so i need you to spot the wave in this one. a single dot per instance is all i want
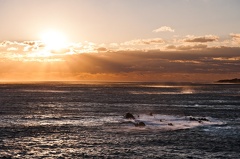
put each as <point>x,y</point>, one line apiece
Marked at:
<point>157,122</point>
<point>169,122</point>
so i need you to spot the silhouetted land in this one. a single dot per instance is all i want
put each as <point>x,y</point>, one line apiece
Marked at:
<point>235,80</point>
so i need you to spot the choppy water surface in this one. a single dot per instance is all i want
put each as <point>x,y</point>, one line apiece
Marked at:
<point>73,120</point>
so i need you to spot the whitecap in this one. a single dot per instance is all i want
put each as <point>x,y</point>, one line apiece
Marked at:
<point>169,122</point>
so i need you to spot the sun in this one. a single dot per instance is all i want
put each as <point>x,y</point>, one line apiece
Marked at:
<point>53,40</point>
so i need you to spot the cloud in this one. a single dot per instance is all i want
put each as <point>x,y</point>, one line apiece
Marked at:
<point>31,43</point>
<point>12,49</point>
<point>164,29</point>
<point>144,41</point>
<point>235,35</point>
<point>235,38</point>
<point>186,47</point>
<point>5,43</point>
<point>227,58</point>
<point>201,39</point>
<point>184,61</point>
<point>21,45</point>
<point>102,49</point>
<point>60,51</point>
<point>177,64</point>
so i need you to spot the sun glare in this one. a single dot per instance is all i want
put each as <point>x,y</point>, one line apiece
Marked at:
<point>54,40</point>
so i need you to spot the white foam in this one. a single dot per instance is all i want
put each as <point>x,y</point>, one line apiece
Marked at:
<point>157,122</point>
<point>169,122</point>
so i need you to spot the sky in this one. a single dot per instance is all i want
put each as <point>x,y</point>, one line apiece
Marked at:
<point>120,40</point>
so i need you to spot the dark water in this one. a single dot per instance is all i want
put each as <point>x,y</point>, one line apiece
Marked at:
<point>72,120</point>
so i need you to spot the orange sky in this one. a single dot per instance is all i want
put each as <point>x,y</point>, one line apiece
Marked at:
<point>209,64</point>
<point>119,40</point>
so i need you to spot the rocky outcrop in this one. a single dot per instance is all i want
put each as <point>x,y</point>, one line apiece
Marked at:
<point>140,124</point>
<point>136,123</point>
<point>129,116</point>
<point>200,120</point>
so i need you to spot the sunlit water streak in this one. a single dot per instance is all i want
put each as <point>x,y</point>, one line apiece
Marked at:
<point>73,120</point>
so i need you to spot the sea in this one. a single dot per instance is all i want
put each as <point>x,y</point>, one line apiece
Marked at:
<point>70,120</point>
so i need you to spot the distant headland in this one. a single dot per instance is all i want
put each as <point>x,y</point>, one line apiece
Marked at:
<point>235,80</point>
